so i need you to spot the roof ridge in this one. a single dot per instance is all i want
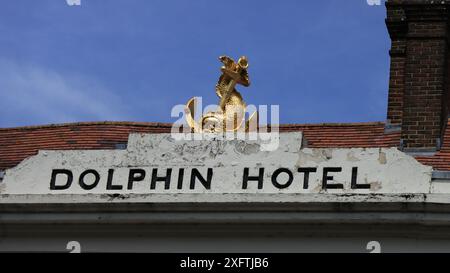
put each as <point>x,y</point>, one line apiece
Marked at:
<point>167,124</point>
<point>335,124</point>
<point>89,123</point>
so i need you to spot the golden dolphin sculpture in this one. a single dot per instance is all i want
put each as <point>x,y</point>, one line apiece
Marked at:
<point>230,114</point>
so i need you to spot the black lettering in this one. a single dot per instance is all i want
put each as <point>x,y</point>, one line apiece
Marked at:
<point>109,184</point>
<point>306,172</point>
<point>259,178</point>
<point>94,184</point>
<point>165,179</point>
<point>180,178</point>
<point>205,182</point>
<point>355,184</point>
<point>278,172</point>
<point>135,175</point>
<point>69,175</point>
<point>327,178</point>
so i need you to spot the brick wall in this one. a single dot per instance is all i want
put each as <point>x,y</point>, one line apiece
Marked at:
<point>418,100</point>
<point>396,83</point>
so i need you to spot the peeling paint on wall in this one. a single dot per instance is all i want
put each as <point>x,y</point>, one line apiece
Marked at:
<point>157,164</point>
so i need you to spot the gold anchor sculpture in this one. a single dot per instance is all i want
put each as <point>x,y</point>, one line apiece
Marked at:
<point>230,114</point>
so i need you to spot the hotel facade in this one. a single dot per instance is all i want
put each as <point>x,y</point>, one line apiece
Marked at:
<point>337,187</point>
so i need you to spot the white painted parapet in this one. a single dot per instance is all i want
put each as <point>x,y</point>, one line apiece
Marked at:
<point>160,168</point>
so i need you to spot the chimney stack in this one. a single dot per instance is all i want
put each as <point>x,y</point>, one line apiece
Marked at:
<point>418,103</point>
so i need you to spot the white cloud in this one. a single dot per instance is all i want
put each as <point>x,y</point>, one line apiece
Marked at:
<point>31,94</point>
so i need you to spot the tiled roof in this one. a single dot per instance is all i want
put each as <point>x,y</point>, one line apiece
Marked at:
<point>345,135</point>
<point>441,160</point>
<point>19,143</point>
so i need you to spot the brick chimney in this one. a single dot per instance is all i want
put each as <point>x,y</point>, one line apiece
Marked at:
<point>418,102</point>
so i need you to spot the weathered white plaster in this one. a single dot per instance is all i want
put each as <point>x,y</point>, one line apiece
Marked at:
<point>386,170</point>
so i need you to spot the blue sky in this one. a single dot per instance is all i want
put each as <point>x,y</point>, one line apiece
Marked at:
<point>133,60</point>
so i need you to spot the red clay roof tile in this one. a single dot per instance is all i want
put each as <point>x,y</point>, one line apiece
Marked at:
<point>19,143</point>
